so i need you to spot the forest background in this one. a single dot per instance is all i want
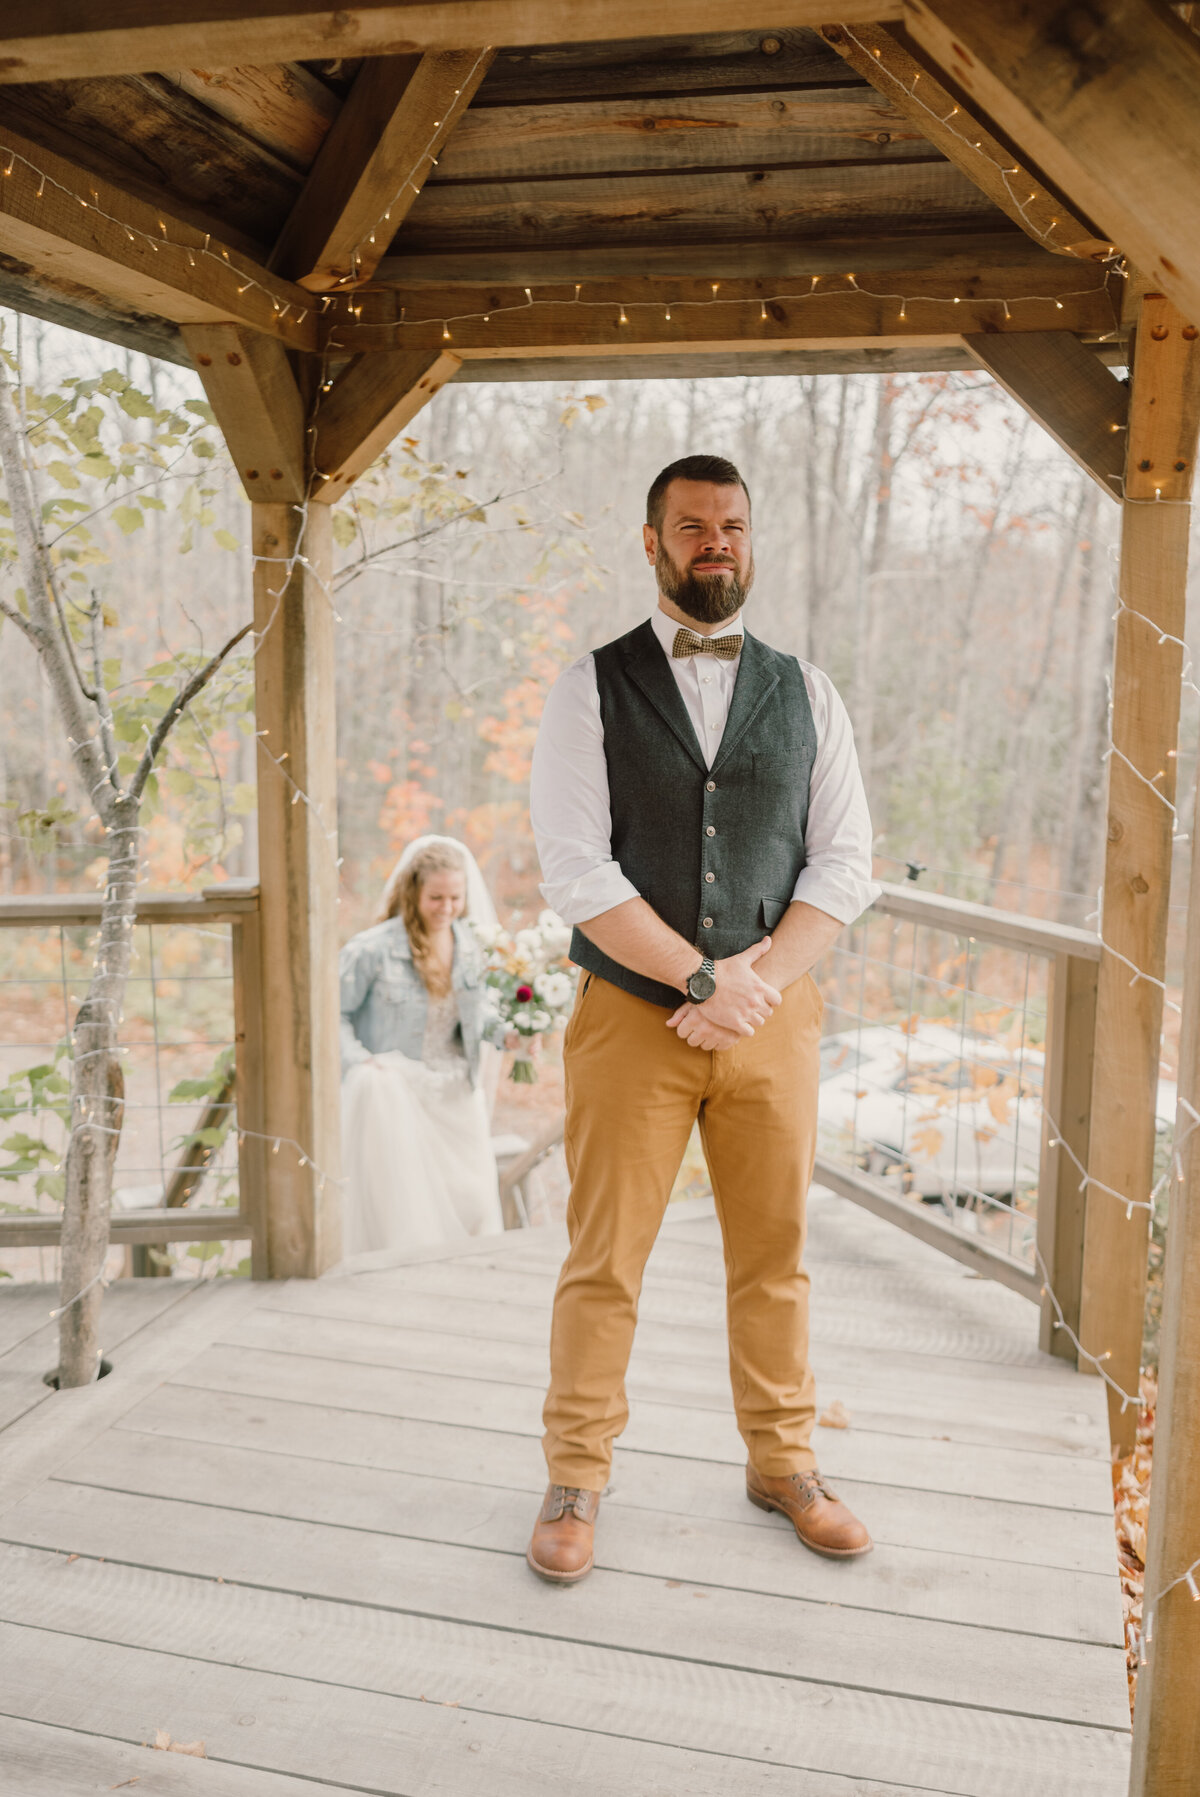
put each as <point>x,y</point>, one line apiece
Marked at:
<point>915,535</point>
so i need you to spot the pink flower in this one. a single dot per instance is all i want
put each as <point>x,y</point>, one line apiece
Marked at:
<point>524,994</point>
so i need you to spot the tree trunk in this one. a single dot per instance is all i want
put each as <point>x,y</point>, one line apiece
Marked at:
<point>97,1105</point>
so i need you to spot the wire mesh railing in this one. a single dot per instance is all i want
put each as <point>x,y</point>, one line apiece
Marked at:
<point>938,1065</point>
<point>179,1177</point>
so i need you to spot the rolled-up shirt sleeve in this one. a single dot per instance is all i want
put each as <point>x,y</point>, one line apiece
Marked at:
<point>569,803</point>
<point>836,877</point>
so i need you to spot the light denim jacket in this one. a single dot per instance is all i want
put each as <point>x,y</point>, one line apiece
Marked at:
<point>384,1002</point>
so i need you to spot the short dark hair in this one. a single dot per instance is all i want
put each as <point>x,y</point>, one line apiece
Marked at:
<point>712,468</point>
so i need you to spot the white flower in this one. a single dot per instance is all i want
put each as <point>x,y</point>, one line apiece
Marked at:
<point>554,989</point>
<point>489,935</point>
<point>540,1021</point>
<point>521,1020</point>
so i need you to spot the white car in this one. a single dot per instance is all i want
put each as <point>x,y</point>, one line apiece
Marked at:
<point>954,1117</point>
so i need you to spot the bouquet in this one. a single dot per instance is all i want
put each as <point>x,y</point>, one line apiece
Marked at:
<point>532,984</point>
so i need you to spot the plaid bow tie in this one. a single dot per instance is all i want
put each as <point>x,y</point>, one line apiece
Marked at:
<point>726,648</point>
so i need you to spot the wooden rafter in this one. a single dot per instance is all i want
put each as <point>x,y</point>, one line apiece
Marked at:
<point>74,38</point>
<point>653,317</point>
<point>1069,392</point>
<point>1103,98</point>
<point>252,390</point>
<point>878,53</point>
<point>373,164</point>
<point>84,231</point>
<point>370,403</point>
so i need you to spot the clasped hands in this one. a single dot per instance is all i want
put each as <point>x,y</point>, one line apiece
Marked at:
<point>741,1002</point>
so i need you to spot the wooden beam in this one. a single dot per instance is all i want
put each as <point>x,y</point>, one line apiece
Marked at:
<point>374,162</point>
<point>74,38</point>
<point>1067,1098</point>
<point>1102,98</point>
<point>890,66</point>
<point>251,388</point>
<point>1164,416</point>
<point>370,403</point>
<point>1166,1722</point>
<point>297,858</point>
<point>1069,392</point>
<point>288,1023</point>
<point>79,229</point>
<point>661,317</point>
<point>534,265</point>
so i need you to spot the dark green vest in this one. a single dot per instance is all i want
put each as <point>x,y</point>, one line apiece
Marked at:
<point>715,852</point>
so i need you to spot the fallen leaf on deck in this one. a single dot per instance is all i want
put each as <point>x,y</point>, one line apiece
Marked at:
<point>124,1782</point>
<point>71,1557</point>
<point>836,1417</point>
<point>164,1743</point>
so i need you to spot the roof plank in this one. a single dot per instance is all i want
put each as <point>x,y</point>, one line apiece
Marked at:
<point>714,207</point>
<point>502,143</point>
<point>284,107</point>
<point>74,38</point>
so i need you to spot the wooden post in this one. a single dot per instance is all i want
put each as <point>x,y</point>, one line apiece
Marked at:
<point>297,852</point>
<point>1147,676</point>
<point>246,934</point>
<point>1067,1096</point>
<point>1166,1724</point>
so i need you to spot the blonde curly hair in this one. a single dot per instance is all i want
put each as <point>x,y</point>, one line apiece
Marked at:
<point>402,897</point>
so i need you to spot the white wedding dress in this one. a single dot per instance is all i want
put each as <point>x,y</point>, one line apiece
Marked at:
<point>418,1167</point>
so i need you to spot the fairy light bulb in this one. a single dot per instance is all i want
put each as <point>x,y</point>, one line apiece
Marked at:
<point>622,319</point>
<point>445,332</point>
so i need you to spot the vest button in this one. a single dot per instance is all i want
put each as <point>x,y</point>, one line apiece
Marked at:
<point>708,923</point>
<point>710,878</point>
<point>710,786</point>
<point>711,831</point>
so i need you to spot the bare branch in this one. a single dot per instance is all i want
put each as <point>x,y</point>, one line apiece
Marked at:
<point>178,706</point>
<point>22,624</point>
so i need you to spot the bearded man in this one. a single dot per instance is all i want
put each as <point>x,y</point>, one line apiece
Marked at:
<point>701,822</point>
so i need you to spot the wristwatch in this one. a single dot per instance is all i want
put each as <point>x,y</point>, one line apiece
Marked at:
<point>703,982</point>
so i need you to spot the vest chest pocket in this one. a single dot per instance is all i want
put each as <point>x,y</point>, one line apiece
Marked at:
<point>771,910</point>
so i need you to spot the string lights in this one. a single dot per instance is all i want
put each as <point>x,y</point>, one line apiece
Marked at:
<point>768,304</point>
<point>136,234</point>
<point>1005,170</point>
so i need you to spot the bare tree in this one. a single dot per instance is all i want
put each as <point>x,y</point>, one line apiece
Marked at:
<point>71,662</point>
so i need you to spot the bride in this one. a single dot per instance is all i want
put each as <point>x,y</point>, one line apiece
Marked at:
<point>417,1051</point>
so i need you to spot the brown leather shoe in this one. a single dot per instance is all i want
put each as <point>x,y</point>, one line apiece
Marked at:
<point>561,1546</point>
<point>817,1514</point>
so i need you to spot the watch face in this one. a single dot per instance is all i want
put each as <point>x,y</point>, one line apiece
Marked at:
<point>702,985</point>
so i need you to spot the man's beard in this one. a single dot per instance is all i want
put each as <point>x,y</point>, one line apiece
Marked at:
<point>708,598</point>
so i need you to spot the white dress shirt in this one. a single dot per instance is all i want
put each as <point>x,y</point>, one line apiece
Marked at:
<point>569,799</point>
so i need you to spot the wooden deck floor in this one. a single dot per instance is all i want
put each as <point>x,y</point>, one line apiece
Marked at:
<point>291,1525</point>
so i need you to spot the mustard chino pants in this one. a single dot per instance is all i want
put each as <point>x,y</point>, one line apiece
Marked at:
<point>634,1089</point>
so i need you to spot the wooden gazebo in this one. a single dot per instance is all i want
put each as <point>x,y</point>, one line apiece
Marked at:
<point>330,213</point>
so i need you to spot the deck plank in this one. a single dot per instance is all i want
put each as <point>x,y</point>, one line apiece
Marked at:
<point>654,1702</point>
<point>1068,1482</point>
<point>292,1524</point>
<point>986,1528</point>
<point>877,1400</point>
<point>902,1656</point>
<point>910,1581</point>
<point>40,1760</point>
<point>362,1740</point>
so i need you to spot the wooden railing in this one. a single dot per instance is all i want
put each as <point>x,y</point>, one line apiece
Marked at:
<point>1073,958</point>
<point>235,904</point>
